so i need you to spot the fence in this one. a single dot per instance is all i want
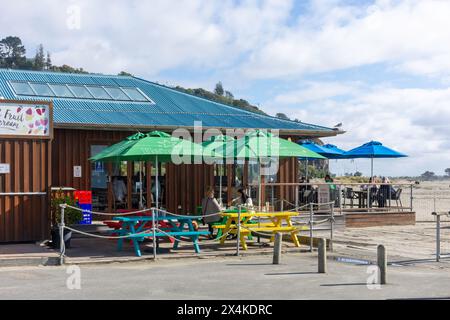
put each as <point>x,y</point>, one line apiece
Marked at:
<point>311,220</point>
<point>347,197</point>
<point>439,227</point>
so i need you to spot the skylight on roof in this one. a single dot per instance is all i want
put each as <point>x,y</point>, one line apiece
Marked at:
<point>61,90</point>
<point>42,89</point>
<point>79,91</point>
<point>22,88</point>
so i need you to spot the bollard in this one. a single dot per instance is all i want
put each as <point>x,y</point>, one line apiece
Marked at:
<point>311,217</point>
<point>322,250</point>
<point>438,237</point>
<point>382,263</point>
<point>277,248</point>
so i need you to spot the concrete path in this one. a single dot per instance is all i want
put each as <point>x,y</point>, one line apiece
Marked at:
<point>224,278</point>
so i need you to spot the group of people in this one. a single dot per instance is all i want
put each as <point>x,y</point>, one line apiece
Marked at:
<point>380,190</point>
<point>211,207</point>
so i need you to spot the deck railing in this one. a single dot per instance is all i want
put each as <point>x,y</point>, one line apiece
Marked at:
<point>347,197</point>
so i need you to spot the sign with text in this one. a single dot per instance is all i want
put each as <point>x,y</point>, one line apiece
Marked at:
<point>27,119</point>
<point>4,168</point>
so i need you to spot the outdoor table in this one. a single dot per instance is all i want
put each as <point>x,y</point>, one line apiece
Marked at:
<point>132,226</point>
<point>274,225</point>
<point>362,198</point>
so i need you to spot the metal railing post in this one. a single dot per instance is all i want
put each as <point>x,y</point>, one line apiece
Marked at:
<point>438,237</point>
<point>154,234</point>
<point>412,198</point>
<point>311,226</point>
<point>332,228</point>
<point>296,198</point>
<point>61,236</point>
<point>238,231</point>
<point>368,197</point>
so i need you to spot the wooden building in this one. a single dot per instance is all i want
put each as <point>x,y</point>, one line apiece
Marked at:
<point>52,123</point>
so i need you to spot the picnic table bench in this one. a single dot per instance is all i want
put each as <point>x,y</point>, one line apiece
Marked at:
<point>174,227</point>
<point>274,225</point>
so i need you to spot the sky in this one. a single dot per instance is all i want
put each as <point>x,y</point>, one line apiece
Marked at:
<point>379,67</point>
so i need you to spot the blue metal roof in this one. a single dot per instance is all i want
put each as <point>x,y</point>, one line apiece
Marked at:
<point>171,108</point>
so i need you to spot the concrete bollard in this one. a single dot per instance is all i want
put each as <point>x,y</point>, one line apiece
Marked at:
<point>382,263</point>
<point>322,250</point>
<point>277,248</point>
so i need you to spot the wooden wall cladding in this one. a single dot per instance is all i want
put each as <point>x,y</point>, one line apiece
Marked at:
<point>25,217</point>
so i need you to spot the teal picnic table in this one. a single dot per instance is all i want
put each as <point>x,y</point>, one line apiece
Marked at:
<point>177,227</point>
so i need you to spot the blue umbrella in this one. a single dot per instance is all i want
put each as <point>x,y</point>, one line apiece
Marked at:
<point>333,151</point>
<point>372,150</point>
<point>327,153</point>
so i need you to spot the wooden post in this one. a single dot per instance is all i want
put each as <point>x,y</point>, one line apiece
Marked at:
<point>382,263</point>
<point>277,248</point>
<point>322,257</point>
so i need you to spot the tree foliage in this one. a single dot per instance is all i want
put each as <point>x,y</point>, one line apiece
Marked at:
<point>12,53</point>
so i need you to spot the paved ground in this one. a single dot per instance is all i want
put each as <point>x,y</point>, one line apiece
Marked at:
<point>224,278</point>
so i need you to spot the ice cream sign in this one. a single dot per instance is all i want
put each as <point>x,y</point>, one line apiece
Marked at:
<point>24,119</point>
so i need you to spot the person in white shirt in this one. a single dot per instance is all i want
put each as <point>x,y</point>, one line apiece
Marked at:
<point>119,189</point>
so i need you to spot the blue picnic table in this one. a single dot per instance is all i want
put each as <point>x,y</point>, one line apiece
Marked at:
<point>135,226</point>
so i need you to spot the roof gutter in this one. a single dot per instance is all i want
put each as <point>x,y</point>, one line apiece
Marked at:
<point>108,127</point>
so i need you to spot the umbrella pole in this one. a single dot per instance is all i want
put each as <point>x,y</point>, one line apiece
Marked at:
<point>371,168</point>
<point>306,170</point>
<point>140,187</point>
<point>259,186</point>
<point>220,186</point>
<point>156,183</point>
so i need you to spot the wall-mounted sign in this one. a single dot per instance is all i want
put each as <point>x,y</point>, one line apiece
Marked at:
<point>4,168</point>
<point>77,171</point>
<point>25,119</point>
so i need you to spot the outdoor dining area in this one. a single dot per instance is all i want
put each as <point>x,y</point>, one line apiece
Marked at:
<point>256,213</point>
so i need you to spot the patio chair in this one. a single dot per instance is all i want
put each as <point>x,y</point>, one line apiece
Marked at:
<point>397,197</point>
<point>348,193</point>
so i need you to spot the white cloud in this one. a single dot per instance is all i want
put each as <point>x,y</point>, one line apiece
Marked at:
<point>400,32</point>
<point>413,121</point>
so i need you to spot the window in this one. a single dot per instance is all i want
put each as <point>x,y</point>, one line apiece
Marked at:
<point>42,89</point>
<point>61,90</point>
<point>22,88</point>
<point>99,93</point>
<point>135,94</point>
<point>117,94</point>
<point>96,92</point>
<point>80,92</point>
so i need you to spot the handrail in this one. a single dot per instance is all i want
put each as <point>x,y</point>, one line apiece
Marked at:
<point>23,193</point>
<point>331,183</point>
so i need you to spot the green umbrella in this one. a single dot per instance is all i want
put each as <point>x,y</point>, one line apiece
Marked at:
<point>155,146</point>
<point>118,147</point>
<point>261,144</point>
<point>216,149</point>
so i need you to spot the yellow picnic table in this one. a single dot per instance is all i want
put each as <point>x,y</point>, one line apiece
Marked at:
<point>274,225</point>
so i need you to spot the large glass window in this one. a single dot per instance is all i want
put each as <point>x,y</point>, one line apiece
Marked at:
<point>22,88</point>
<point>99,181</point>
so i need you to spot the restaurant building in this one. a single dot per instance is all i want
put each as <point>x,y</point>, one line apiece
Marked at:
<point>52,123</point>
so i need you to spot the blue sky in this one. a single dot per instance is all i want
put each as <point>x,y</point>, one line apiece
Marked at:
<point>380,67</point>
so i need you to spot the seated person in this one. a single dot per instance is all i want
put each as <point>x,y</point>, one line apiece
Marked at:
<point>119,189</point>
<point>386,192</point>
<point>210,206</point>
<point>243,199</point>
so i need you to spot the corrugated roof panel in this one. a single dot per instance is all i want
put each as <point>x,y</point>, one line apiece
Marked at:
<point>170,108</point>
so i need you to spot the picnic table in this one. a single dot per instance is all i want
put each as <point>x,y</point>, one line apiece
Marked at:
<point>135,226</point>
<point>273,223</point>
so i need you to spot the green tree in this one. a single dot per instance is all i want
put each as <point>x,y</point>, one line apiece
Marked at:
<point>124,73</point>
<point>39,59</point>
<point>282,116</point>
<point>12,53</point>
<point>428,175</point>
<point>48,62</point>
<point>229,95</point>
<point>219,89</point>
<point>357,174</point>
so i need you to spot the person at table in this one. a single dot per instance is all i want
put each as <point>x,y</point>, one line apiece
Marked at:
<point>386,191</point>
<point>119,189</point>
<point>372,188</point>
<point>243,199</point>
<point>210,206</point>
